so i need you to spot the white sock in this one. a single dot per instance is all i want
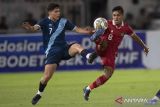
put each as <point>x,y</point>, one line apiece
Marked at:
<point>155,97</point>
<point>40,93</point>
<point>87,56</point>
<point>88,88</point>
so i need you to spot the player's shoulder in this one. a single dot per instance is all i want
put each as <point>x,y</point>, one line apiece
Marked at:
<point>63,19</point>
<point>126,24</point>
<point>128,29</point>
<point>46,19</point>
<point>109,21</point>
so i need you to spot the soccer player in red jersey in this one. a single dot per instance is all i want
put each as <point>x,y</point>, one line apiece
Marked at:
<point>107,43</point>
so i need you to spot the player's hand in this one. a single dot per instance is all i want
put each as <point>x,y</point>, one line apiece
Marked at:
<point>102,45</point>
<point>146,50</point>
<point>89,29</point>
<point>27,26</point>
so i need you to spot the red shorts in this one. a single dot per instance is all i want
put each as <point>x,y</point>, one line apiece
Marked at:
<point>108,58</point>
<point>108,61</point>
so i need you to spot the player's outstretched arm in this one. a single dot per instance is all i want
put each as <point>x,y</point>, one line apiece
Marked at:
<point>86,30</point>
<point>29,27</point>
<point>140,42</point>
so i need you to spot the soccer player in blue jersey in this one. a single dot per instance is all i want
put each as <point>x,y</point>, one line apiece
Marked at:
<point>56,49</point>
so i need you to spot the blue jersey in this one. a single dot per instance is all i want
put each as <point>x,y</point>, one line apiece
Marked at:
<point>54,32</point>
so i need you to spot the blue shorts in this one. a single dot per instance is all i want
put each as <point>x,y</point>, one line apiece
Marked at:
<point>58,53</point>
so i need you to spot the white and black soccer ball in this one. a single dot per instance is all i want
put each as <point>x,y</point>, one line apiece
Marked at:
<point>100,23</point>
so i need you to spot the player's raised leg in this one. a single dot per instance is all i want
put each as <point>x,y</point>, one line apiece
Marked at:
<point>108,71</point>
<point>48,72</point>
<point>91,57</point>
<point>78,49</point>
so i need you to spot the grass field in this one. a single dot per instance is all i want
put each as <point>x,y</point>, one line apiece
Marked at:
<point>65,89</point>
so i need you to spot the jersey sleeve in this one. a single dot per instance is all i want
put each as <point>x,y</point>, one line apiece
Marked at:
<point>129,30</point>
<point>69,25</point>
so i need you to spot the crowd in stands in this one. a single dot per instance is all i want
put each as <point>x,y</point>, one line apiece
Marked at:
<point>148,19</point>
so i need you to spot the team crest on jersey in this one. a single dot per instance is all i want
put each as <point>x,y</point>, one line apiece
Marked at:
<point>50,25</point>
<point>111,31</point>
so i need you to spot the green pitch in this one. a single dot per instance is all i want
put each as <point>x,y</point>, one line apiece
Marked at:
<point>65,89</point>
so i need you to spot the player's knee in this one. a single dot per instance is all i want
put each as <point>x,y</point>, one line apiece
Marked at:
<point>108,71</point>
<point>77,47</point>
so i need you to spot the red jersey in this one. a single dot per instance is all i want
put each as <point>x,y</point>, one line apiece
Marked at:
<point>113,36</point>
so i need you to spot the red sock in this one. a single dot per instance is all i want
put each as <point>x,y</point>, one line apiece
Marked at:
<point>99,81</point>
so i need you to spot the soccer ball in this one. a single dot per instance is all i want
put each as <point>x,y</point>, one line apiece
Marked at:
<point>100,23</point>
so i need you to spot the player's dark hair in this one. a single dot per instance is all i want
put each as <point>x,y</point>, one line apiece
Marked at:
<point>52,6</point>
<point>119,9</point>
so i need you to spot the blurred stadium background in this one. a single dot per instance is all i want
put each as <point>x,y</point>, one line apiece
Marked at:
<point>21,55</point>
